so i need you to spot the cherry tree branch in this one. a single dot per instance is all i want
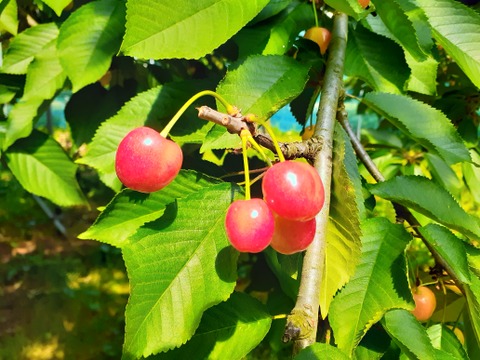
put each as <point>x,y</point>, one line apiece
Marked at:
<point>303,320</point>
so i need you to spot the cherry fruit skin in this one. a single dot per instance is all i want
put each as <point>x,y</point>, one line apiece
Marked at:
<point>293,190</point>
<point>292,236</point>
<point>320,35</point>
<point>425,303</point>
<point>249,225</point>
<point>364,3</point>
<point>145,161</point>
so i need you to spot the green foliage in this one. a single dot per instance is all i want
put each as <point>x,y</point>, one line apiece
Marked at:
<point>411,66</point>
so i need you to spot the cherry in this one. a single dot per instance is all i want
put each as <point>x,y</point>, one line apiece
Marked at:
<point>293,190</point>
<point>320,35</point>
<point>249,225</point>
<point>364,3</point>
<point>308,132</point>
<point>425,303</point>
<point>146,161</point>
<point>292,236</point>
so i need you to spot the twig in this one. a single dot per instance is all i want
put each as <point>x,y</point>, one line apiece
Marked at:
<point>402,213</point>
<point>303,320</point>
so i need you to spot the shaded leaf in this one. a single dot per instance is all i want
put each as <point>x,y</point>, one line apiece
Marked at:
<point>229,330</point>
<point>321,351</point>
<point>89,38</point>
<point>184,29</point>
<point>287,269</point>
<point>434,131</point>
<point>42,167</point>
<point>471,174</point>
<point>25,46</point>
<point>430,199</point>
<point>444,174</point>
<point>130,209</point>
<point>444,339</point>
<point>178,268</point>
<point>379,283</point>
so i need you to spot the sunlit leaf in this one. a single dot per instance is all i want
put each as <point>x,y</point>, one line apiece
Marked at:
<point>184,29</point>
<point>444,339</point>
<point>321,351</point>
<point>89,38</point>
<point>178,266</point>
<point>430,199</point>
<point>379,283</point>
<point>42,167</point>
<point>57,5</point>
<point>229,330</point>
<point>9,17</point>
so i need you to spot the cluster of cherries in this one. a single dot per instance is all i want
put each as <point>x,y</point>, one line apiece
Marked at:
<point>285,219</point>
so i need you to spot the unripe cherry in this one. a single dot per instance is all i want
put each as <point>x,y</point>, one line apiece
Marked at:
<point>145,161</point>
<point>293,190</point>
<point>249,225</point>
<point>292,236</point>
<point>425,303</point>
<point>320,35</point>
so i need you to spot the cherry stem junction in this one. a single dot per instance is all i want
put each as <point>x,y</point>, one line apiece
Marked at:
<point>230,109</point>
<point>244,134</point>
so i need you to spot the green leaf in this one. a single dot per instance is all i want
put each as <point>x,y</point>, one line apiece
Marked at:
<point>20,120</point>
<point>129,209</point>
<point>321,351</point>
<point>25,46</point>
<point>429,199</point>
<point>349,7</point>
<point>457,28</point>
<point>178,266</point>
<point>42,167</point>
<point>472,291</point>
<point>434,131</point>
<point>471,174</point>
<point>410,336</point>
<point>343,232</point>
<point>287,269</point>
<point>444,174</point>
<point>88,40</point>
<point>400,26</point>
<point>374,344</point>
<point>450,248</point>
<point>379,283</point>
<point>184,29</point>
<point>229,330</point>
<point>444,339</point>
<point>149,107</point>
<point>45,74</point>
<point>219,138</point>
<point>9,17</point>
<point>376,60</point>
<point>57,5</point>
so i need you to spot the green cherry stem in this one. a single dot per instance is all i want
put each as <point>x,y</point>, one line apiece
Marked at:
<point>315,13</point>
<point>257,147</point>
<point>244,136</point>
<point>230,108</point>
<point>274,139</point>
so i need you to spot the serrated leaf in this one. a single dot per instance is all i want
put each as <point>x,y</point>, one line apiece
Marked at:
<point>57,5</point>
<point>343,231</point>
<point>271,9</point>
<point>374,344</point>
<point>88,40</point>
<point>178,266</point>
<point>450,248</point>
<point>430,199</point>
<point>20,120</point>
<point>25,46</point>
<point>376,60</point>
<point>129,209</point>
<point>457,28</point>
<point>434,131</point>
<point>150,107</point>
<point>444,339</point>
<point>219,138</point>
<point>9,17</point>
<point>45,74</point>
<point>287,269</point>
<point>398,23</point>
<point>229,330</point>
<point>472,291</point>
<point>411,336</point>
<point>471,174</point>
<point>349,7</point>
<point>379,283</point>
<point>42,167</point>
<point>321,351</point>
<point>444,174</point>
<point>184,29</point>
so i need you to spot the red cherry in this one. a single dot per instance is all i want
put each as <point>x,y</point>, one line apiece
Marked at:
<point>292,236</point>
<point>293,190</point>
<point>425,303</point>
<point>364,3</point>
<point>146,161</point>
<point>249,225</point>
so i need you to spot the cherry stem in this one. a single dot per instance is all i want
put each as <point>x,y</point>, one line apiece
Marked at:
<point>244,134</point>
<point>274,139</point>
<point>230,109</point>
<point>257,147</point>
<point>315,13</point>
